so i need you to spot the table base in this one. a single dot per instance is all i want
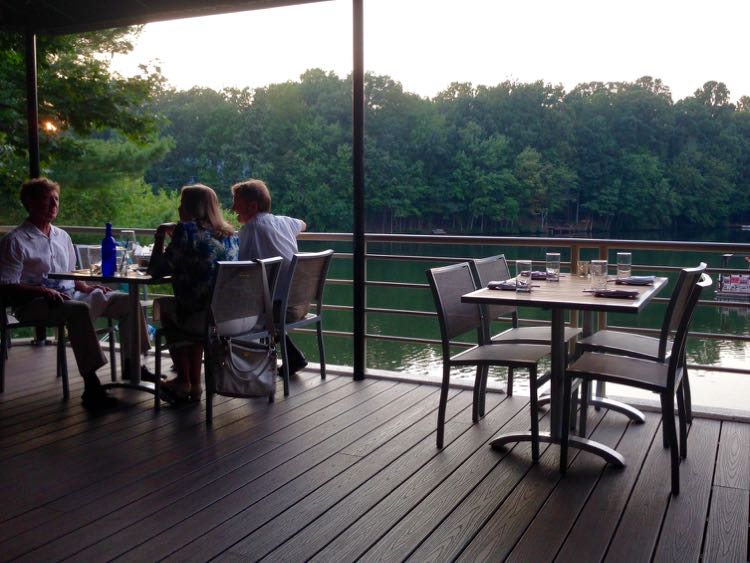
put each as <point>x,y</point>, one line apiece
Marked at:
<point>631,412</point>
<point>605,452</point>
<point>146,386</point>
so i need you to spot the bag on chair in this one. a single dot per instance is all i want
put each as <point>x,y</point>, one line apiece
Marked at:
<point>246,370</point>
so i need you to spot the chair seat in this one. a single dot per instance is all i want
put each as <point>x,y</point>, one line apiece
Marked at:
<point>635,372</point>
<point>533,334</point>
<point>636,345</point>
<point>526,355</point>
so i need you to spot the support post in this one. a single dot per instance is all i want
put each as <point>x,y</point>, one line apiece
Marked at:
<point>32,120</point>
<point>358,168</point>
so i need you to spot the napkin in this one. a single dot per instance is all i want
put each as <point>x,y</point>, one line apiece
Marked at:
<point>508,285</point>
<point>538,275</point>
<point>636,280</point>
<point>617,293</point>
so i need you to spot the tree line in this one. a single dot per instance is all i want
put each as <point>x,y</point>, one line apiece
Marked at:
<point>514,157</point>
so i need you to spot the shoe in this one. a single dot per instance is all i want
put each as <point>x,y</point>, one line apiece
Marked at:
<point>174,391</point>
<point>96,399</point>
<point>294,367</point>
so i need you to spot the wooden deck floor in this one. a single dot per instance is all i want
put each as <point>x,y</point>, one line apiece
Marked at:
<point>344,470</point>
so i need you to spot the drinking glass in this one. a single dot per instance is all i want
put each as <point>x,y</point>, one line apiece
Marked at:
<point>553,266</point>
<point>523,275</point>
<point>624,263</point>
<point>583,268</point>
<point>598,275</point>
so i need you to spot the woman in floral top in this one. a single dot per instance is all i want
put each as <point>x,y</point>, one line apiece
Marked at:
<point>199,240</point>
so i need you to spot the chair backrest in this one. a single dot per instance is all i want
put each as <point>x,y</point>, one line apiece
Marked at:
<point>494,268</point>
<point>307,277</point>
<point>273,269</point>
<point>680,296</point>
<point>683,317</point>
<point>238,304</point>
<point>87,254</point>
<point>448,284</point>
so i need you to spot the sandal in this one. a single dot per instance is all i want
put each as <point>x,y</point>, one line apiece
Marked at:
<point>174,391</point>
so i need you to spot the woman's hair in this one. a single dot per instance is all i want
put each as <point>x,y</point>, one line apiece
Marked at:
<point>200,204</point>
<point>254,190</point>
<point>33,189</point>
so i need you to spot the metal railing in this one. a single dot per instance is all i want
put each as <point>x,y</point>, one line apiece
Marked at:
<point>571,248</point>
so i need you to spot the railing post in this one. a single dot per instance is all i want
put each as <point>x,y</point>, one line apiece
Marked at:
<point>358,165</point>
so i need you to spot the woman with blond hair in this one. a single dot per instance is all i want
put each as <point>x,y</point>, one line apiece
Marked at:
<point>199,240</point>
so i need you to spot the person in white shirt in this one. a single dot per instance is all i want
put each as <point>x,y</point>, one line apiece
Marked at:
<point>264,235</point>
<point>36,248</point>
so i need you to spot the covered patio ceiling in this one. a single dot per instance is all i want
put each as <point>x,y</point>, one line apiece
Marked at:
<point>35,17</point>
<point>77,16</point>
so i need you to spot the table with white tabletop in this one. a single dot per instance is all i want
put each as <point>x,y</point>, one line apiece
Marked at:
<point>133,280</point>
<point>568,294</point>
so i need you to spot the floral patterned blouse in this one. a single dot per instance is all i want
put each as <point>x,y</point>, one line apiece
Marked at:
<point>191,260</point>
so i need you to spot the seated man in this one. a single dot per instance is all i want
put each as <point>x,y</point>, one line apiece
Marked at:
<point>265,235</point>
<point>36,248</point>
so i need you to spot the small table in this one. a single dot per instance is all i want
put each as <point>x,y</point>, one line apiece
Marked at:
<point>133,279</point>
<point>567,294</point>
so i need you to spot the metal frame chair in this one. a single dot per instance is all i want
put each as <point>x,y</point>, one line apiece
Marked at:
<point>307,277</point>
<point>646,347</point>
<point>664,376</point>
<point>456,318</point>
<point>9,323</point>
<point>237,310</point>
<point>495,268</point>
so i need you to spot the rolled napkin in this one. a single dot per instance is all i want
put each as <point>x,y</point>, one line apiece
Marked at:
<point>536,275</point>
<point>617,293</point>
<point>508,285</point>
<point>636,280</point>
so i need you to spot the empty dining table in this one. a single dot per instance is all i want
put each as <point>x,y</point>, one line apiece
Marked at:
<point>570,293</point>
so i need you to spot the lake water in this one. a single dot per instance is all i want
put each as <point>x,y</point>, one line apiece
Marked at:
<point>710,389</point>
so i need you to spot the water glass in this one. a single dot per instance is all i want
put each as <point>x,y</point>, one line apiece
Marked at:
<point>583,268</point>
<point>553,266</point>
<point>624,263</point>
<point>598,275</point>
<point>523,275</point>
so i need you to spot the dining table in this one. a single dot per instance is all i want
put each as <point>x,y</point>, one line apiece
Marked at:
<point>570,294</point>
<point>134,279</point>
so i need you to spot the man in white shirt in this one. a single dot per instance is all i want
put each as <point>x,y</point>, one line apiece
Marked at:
<point>36,248</point>
<point>264,235</point>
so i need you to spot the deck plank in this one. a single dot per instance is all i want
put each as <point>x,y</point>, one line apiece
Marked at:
<point>726,536</point>
<point>605,505</point>
<point>341,470</point>
<point>734,456</point>
<point>686,513</point>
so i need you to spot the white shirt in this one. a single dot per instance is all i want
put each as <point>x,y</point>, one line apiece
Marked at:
<point>27,256</point>
<point>268,235</point>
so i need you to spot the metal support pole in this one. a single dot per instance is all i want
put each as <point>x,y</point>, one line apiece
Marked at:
<point>32,120</point>
<point>32,106</point>
<point>358,165</point>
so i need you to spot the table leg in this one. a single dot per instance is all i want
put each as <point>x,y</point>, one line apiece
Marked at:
<point>135,334</point>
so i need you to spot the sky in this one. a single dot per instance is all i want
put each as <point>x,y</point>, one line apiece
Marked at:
<point>427,44</point>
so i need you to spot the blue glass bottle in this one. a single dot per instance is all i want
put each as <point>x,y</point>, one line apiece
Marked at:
<point>109,253</point>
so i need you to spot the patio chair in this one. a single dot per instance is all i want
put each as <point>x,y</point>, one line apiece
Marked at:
<point>664,376</point>
<point>647,347</point>
<point>495,268</point>
<point>86,255</point>
<point>456,318</point>
<point>8,323</point>
<point>237,310</point>
<point>307,277</point>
